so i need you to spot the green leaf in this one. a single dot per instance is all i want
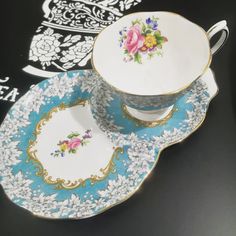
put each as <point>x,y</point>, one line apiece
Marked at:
<point>86,142</point>
<point>148,31</point>
<point>155,18</point>
<point>157,34</point>
<point>143,27</point>
<point>160,40</point>
<point>158,53</point>
<point>73,135</point>
<point>72,151</point>
<point>138,21</point>
<point>138,58</point>
<point>150,55</point>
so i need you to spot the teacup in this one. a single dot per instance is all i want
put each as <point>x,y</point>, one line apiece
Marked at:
<point>150,59</point>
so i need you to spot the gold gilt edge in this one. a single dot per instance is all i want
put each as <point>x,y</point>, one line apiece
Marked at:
<point>148,124</point>
<point>61,184</point>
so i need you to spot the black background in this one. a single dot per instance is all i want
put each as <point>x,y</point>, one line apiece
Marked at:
<point>192,191</point>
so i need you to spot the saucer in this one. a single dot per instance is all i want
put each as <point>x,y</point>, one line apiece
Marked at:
<point>58,162</point>
<point>186,115</point>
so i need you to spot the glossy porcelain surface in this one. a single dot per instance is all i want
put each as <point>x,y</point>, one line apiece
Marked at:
<point>182,58</point>
<point>150,59</point>
<point>57,161</point>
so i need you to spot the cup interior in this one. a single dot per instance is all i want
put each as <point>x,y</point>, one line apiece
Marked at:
<point>151,53</point>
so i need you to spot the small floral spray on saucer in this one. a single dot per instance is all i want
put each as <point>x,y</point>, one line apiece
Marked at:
<point>72,143</point>
<point>142,39</point>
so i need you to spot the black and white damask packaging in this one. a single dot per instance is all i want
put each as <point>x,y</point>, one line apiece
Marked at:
<point>65,38</point>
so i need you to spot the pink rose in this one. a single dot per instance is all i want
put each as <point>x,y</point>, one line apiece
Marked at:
<point>74,143</point>
<point>134,40</point>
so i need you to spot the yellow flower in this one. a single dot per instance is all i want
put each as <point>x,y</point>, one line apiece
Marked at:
<point>63,147</point>
<point>150,41</point>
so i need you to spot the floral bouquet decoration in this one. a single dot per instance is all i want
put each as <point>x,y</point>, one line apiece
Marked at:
<point>73,142</point>
<point>142,39</point>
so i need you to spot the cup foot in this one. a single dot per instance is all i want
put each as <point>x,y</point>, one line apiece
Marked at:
<point>149,118</point>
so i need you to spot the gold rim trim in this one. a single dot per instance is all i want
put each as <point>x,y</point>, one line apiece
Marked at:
<point>168,93</point>
<point>159,153</point>
<point>143,123</point>
<point>138,187</point>
<point>154,166</point>
<point>61,184</point>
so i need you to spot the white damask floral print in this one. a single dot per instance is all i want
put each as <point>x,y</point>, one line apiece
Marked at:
<point>74,54</point>
<point>141,153</point>
<point>116,190</point>
<point>65,39</point>
<point>45,47</point>
<point>17,186</point>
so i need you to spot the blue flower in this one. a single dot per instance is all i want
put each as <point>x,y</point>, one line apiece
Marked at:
<point>149,21</point>
<point>154,26</point>
<point>152,23</point>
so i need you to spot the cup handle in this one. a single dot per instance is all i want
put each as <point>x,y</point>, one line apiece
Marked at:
<point>220,26</point>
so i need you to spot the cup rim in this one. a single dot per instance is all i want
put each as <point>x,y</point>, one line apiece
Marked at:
<point>161,94</point>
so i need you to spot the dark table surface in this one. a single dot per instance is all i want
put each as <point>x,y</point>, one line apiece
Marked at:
<point>192,191</point>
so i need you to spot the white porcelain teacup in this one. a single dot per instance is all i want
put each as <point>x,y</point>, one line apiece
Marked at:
<point>150,59</point>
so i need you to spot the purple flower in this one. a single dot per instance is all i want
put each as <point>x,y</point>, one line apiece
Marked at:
<point>152,23</point>
<point>154,26</point>
<point>149,21</point>
<point>152,49</point>
<point>87,134</point>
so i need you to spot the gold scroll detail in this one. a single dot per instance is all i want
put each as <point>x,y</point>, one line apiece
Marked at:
<point>61,184</point>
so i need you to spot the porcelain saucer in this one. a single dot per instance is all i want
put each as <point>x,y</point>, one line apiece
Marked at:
<point>188,113</point>
<point>58,162</point>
